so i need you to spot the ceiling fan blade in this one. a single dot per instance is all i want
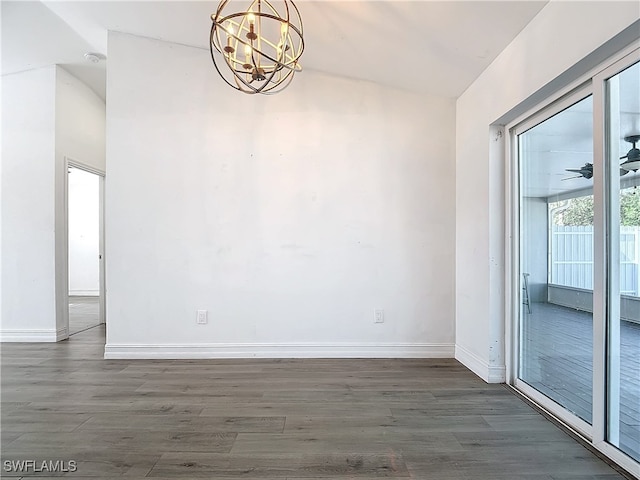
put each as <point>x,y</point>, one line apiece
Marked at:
<point>571,178</point>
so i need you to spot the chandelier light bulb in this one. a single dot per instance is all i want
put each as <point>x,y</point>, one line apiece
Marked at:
<point>247,57</point>
<point>229,48</point>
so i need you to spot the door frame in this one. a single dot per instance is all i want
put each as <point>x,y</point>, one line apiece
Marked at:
<point>577,94</point>
<point>71,163</point>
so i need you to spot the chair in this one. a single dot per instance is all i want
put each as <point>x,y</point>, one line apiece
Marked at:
<point>525,293</point>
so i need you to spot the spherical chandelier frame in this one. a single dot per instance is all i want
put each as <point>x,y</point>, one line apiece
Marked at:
<point>271,43</point>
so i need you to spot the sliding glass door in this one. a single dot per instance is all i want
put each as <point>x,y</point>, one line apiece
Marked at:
<point>556,257</point>
<point>576,251</point>
<point>622,93</point>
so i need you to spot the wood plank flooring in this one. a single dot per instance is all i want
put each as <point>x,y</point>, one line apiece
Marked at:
<point>261,419</point>
<point>84,313</point>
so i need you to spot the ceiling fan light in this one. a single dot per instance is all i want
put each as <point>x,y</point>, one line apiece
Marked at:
<point>631,165</point>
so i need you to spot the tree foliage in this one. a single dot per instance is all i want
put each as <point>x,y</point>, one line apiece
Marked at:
<point>579,211</point>
<point>630,208</point>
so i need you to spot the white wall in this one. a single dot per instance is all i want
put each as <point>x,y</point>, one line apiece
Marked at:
<point>550,45</point>
<point>84,228</point>
<point>289,218</point>
<point>80,121</point>
<point>47,114</point>
<point>27,206</point>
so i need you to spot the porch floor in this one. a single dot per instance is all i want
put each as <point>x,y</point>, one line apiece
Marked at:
<point>557,361</point>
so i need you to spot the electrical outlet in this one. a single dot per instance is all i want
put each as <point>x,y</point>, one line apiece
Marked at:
<point>378,315</point>
<point>201,318</point>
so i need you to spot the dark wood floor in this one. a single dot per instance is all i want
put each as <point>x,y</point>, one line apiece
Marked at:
<point>84,313</point>
<point>259,419</point>
<point>557,361</point>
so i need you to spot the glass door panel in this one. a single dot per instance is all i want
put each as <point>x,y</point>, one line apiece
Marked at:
<point>556,258</point>
<point>623,251</point>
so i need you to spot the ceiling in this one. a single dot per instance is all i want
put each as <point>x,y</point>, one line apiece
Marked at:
<point>565,141</point>
<point>432,47</point>
<point>435,47</point>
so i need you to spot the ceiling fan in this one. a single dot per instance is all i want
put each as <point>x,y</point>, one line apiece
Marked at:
<point>632,164</point>
<point>586,171</point>
<point>633,155</point>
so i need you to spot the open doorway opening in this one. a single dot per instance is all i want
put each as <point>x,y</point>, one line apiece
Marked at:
<point>85,252</point>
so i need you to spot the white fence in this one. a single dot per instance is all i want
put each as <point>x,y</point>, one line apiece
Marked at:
<point>571,258</point>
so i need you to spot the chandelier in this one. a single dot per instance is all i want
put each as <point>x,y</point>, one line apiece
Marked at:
<point>260,45</point>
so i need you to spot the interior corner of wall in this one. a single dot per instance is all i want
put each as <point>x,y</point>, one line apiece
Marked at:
<point>483,369</point>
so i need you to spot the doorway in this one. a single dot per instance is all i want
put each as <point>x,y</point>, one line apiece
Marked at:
<point>85,233</point>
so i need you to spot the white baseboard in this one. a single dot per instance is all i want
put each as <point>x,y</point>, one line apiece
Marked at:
<point>489,373</point>
<point>34,335</point>
<point>277,350</point>
<point>84,293</point>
